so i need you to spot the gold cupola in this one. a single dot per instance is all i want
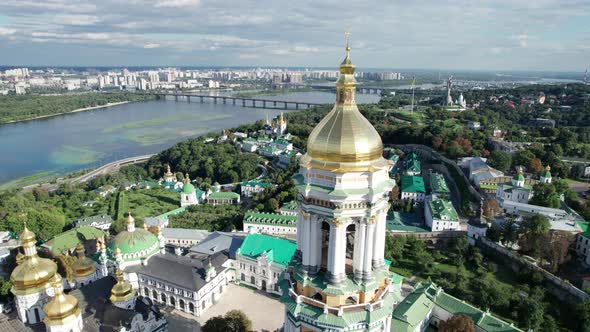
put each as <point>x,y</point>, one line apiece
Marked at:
<point>83,266</point>
<point>344,141</point>
<point>122,290</point>
<point>33,273</point>
<point>63,308</point>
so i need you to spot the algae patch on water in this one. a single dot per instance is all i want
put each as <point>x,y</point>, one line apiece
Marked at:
<point>74,155</point>
<point>164,122</point>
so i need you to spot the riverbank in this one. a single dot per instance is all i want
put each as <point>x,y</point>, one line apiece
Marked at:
<point>73,111</point>
<point>19,108</point>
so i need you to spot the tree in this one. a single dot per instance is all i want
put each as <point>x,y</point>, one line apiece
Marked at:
<point>215,324</point>
<point>238,321</point>
<point>531,310</point>
<point>457,323</point>
<point>582,312</point>
<point>537,224</point>
<point>500,160</point>
<point>545,194</point>
<point>534,165</point>
<point>233,321</point>
<point>556,248</point>
<point>523,158</point>
<point>491,208</point>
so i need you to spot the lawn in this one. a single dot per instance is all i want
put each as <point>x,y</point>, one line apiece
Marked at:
<point>413,117</point>
<point>148,202</point>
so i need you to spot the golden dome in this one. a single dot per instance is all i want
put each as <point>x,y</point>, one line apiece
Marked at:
<point>344,140</point>
<point>168,172</point>
<point>122,290</point>
<point>130,219</point>
<point>61,307</point>
<point>26,236</point>
<point>32,272</point>
<point>82,266</point>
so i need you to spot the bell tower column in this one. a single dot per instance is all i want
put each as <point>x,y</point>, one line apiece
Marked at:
<point>379,240</point>
<point>305,247</point>
<point>316,245</point>
<point>358,254</point>
<point>368,259</point>
<point>337,252</point>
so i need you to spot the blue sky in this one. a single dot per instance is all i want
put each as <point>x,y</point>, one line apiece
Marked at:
<point>463,34</point>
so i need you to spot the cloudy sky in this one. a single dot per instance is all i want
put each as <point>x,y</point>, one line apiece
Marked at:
<point>438,34</point>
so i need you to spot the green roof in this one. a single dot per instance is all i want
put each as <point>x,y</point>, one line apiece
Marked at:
<point>253,217</point>
<point>348,318</point>
<point>223,195</point>
<point>172,212</point>
<point>442,209</point>
<point>278,251</point>
<point>70,239</point>
<point>188,188</point>
<point>281,142</point>
<point>438,183</point>
<point>414,184</point>
<point>585,226</point>
<point>416,306</point>
<point>256,183</point>
<point>404,222</point>
<point>488,186</point>
<point>132,242</point>
<point>414,309</point>
<point>291,206</point>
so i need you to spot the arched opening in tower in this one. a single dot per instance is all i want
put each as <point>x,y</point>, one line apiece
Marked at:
<point>350,234</point>
<point>325,245</point>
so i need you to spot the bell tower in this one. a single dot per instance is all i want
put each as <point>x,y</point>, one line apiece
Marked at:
<point>343,187</point>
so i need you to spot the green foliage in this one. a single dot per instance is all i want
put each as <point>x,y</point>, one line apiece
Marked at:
<point>210,217</point>
<point>531,309</point>
<point>233,321</point>
<point>223,163</point>
<point>457,323</point>
<point>537,224</point>
<point>5,293</point>
<point>582,312</point>
<point>500,160</point>
<point>18,108</point>
<point>545,194</point>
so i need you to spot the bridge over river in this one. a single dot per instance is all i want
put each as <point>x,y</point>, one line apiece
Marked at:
<point>240,101</point>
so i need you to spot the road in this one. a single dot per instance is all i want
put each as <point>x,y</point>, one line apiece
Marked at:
<point>104,169</point>
<point>111,167</point>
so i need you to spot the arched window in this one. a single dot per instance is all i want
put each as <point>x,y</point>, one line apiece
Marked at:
<point>351,300</point>
<point>191,307</point>
<point>163,298</point>
<point>203,305</point>
<point>154,295</point>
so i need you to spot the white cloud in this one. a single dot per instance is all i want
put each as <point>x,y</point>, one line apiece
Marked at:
<point>177,3</point>
<point>81,20</point>
<point>523,39</point>
<point>151,45</point>
<point>6,31</point>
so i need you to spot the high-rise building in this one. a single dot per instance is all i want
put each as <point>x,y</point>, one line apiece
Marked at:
<point>341,280</point>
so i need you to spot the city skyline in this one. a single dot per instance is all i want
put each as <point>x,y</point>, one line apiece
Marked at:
<point>458,35</point>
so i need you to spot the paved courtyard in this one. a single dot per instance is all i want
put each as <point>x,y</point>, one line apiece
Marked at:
<point>265,312</point>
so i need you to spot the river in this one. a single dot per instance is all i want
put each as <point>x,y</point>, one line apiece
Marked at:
<point>49,147</point>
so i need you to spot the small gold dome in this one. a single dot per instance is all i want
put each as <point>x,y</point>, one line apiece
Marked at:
<point>62,306</point>
<point>82,266</point>
<point>130,219</point>
<point>122,290</point>
<point>26,235</point>
<point>32,272</point>
<point>344,140</point>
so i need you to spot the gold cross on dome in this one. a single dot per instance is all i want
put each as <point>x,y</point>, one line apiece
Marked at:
<point>347,36</point>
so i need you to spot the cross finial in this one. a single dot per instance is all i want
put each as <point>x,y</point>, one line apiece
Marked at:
<point>347,36</point>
